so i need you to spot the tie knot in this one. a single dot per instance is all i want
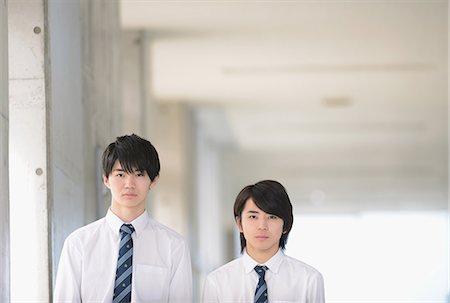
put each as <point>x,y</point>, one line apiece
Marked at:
<point>127,229</point>
<point>261,270</point>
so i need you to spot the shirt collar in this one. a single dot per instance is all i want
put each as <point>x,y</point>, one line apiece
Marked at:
<point>273,264</point>
<point>115,222</point>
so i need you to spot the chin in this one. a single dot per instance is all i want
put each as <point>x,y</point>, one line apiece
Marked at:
<point>263,247</point>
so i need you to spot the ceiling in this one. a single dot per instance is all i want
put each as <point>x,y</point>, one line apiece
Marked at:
<point>345,102</point>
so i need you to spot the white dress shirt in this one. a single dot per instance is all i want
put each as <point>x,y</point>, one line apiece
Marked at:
<point>161,263</point>
<point>287,279</point>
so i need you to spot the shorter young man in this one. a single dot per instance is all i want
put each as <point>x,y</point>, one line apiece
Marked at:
<point>263,214</point>
<point>125,256</point>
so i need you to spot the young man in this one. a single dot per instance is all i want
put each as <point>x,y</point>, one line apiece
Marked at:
<point>263,273</point>
<point>125,256</point>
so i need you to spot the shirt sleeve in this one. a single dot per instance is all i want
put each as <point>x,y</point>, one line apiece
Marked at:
<point>209,294</point>
<point>316,291</point>
<point>181,280</point>
<point>68,277</point>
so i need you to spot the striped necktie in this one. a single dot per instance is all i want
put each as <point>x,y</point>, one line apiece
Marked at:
<point>122,285</point>
<point>261,288</point>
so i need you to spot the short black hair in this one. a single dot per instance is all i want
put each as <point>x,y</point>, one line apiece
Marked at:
<point>271,197</point>
<point>133,153</point>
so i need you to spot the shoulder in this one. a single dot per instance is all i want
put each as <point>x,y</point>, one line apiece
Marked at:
<point>86,233</point>
<point>227,271</point>
<point>300,266</point>
<point>164,234</point>
<point>221,279</point>
<point>168,243</point>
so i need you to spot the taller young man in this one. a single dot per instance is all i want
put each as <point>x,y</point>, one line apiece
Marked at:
<point>125,256</point>
<point>263,273</point>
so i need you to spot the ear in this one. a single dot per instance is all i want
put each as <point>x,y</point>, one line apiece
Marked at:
<point>106,181</point>
<point>153,183</point>
<point>239,223</point>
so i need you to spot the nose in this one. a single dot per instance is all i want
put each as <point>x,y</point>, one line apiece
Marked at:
<point>262,225</point>
<point>130,182</point>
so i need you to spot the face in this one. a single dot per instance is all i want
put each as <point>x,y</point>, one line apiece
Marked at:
<point>262,231</point>
<point>128,190</point>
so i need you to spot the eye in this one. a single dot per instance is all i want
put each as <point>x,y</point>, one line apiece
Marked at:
<point>273,217</point>
<point>119,175</point>
<point>141,173</point>
<point>252,217</point>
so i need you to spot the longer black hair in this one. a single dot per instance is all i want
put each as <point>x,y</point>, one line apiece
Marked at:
<point>271,197</point>
<point>133,153</point>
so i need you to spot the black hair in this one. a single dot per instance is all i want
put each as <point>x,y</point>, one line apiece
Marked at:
<point>133,153</point>
<point>271,197</point>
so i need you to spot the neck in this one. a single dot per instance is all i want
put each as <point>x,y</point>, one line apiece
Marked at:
<point>126,215</point>
<point>261,256</point>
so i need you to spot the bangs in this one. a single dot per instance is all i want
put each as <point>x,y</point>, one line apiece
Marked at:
<point>267,203</point>
<point>131,164</point>
<point>134,154</point>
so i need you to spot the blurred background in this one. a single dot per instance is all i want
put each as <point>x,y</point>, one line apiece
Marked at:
<point>343,102</point>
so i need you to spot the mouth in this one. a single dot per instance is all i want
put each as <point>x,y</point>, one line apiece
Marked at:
<point>129,195</point>
<point>262,237</point>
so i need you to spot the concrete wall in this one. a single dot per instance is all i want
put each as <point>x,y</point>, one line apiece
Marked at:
<point>4,183</point>
<point>65,107</point>
<point>28,146</point>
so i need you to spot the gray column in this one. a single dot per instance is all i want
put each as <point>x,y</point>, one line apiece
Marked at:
<point>4,187</point>
<point>29,169</point>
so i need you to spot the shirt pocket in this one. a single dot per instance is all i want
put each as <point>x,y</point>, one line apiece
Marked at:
<point>150,281</point>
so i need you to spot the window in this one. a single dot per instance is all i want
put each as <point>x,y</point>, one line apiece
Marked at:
<point>376,257</point>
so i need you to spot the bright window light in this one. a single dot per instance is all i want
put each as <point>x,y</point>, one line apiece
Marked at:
<point>376,257</point>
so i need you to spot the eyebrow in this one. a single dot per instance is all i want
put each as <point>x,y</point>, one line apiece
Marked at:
<point>122,170</point>
<point>258,212</point>
<point>253,211</point>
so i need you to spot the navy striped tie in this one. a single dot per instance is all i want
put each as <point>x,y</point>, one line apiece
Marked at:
<point>122,286</point>
<point>261,288</point>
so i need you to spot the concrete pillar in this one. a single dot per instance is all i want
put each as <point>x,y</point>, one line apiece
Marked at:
<point>30,278</point>
<point>4,129</point>
<point>66,123</point>
<point>85,116</point>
